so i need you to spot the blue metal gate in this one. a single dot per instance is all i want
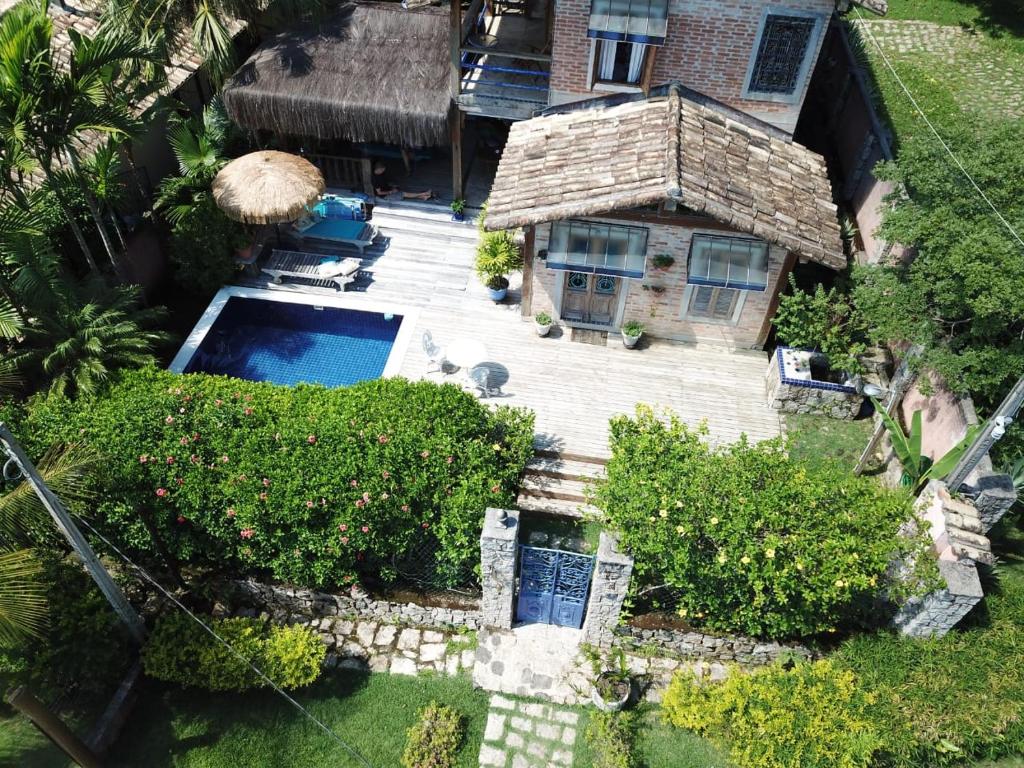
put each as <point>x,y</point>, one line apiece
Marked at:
<point>553,586</point>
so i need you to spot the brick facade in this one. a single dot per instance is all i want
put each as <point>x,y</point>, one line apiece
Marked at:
<point>708,48</point>
<point>657,299</point>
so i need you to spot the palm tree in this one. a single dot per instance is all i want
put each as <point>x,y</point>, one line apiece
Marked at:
<point>24,525</point>
<point>91,333</point>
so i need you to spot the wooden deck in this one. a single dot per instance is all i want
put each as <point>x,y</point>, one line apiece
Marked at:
<point>425,261</point>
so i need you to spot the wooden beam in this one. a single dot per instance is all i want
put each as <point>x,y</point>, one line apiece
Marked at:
<point>526,301</point>
<point>508,53</point>
<point>780,284</point>
<point>455,120</point>
<point>648,73</point>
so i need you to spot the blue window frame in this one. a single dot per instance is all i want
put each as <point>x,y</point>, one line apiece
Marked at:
<point>634,21</point>
<point>728,262</point>
<point>600,249</point>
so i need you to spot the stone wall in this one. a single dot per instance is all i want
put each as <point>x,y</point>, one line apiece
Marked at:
<point>745,651</point>
<point>608,589</point>
<point>938,612</point>
<point>291,605</point>
<point>791,395</point>
<point>498,549</point>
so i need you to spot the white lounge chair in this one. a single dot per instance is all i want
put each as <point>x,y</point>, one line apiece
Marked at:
<point>434,353</point>
<point>311,266</point>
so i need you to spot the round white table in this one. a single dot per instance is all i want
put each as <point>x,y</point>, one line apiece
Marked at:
<point>465,353</point>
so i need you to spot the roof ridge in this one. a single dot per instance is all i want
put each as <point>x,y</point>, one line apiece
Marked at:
<point>674,146</point>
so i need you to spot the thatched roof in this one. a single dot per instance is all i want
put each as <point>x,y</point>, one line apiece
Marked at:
<point>675,145</point>
<point>371,72</point>
<point>267,187</point>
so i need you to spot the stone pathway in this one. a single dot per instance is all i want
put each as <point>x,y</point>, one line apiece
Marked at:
<point>531,660</point>
<point>528,734</point>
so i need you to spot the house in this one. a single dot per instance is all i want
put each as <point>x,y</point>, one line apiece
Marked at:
<point>604,187</point>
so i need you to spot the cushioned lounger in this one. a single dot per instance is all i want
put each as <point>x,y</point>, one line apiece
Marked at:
<point>357,233</point>
<point>311,266</point>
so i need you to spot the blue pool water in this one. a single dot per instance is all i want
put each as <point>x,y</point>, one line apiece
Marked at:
<point>291,343</point>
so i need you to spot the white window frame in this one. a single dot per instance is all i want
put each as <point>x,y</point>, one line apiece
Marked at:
<point>737,310</point>
<point>810,56</point>
<point>603,85</point>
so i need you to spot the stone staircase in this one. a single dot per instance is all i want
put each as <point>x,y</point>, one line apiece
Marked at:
<point>556,484</point>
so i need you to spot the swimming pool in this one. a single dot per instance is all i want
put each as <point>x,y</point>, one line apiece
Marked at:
<point>285,339</point>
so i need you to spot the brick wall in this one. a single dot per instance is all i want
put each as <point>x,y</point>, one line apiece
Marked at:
<point>660,311</point>
<point>707,48</point>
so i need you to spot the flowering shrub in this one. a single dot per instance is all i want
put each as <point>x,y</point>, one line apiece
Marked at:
<point>435,739</point>
<point>181,651</point>
<point>810,716</point>
<point>753,541</point>
<point>309,483</point>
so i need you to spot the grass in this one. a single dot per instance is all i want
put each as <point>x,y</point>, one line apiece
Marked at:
<point>660,745</point>
<point>814,438</point>
<point>23,746</point>
<point>371,712</point>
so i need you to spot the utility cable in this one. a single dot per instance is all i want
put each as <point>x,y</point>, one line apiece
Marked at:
<point>945,146</point>
<point>144,575</point>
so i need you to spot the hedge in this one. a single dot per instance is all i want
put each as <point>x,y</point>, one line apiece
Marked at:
<point>308,483</point>
<point>179,650</point>
<point>750,539</point>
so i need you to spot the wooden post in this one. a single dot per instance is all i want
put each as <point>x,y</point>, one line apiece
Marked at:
<point>456,131</point>
<point>53,728</point>
<point>526,302</point>
<point>648,71</point>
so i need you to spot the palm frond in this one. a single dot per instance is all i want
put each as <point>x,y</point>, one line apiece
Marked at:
<point>22,597</point>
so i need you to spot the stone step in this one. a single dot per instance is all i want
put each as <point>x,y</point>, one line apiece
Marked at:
<point>557,487</point>
<point>555,507</point>
<point>569,469</point>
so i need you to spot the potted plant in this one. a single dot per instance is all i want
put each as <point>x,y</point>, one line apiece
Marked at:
<point>496,256</point>
<point>613,684</point>
<point>542,322</point>
<point>662,262</point>
<point>458,207</point>
<point>631,333</point>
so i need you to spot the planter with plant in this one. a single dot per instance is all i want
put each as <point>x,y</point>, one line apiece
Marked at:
<point>631,333</point>
<point>497,255</point>
<point>613,684</point>
<point>542,322</point>
<point>662,262</point>
<point>458,206</point>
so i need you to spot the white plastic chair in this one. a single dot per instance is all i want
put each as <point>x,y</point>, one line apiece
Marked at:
<point>435,354</point>
<point>480,375</point>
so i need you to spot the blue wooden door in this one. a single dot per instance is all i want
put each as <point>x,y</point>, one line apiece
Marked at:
<point>553,586</point>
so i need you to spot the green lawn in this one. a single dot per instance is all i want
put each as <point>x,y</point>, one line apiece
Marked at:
<point>23,746</point>
<point>194,729</point>
<point>818,437</point>
<point>660,746</point>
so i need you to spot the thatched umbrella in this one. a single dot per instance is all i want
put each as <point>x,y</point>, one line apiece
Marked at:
<point>267,187</point>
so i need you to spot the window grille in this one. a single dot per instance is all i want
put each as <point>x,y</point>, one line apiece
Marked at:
<point>603,249</point>
<point>781,54</point>
<point>728,262</point>
<point>634,21</point>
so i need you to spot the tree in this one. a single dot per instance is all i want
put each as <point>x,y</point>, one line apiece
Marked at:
<point>823,321</point>
<point>960,296</point>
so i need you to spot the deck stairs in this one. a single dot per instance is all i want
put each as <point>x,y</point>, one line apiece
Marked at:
<point>556,484</point>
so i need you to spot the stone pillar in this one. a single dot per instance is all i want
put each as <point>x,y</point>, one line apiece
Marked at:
<point>995,495</point>
<point>608,587</point>
<point>498,553</point>
<point>938,612</point>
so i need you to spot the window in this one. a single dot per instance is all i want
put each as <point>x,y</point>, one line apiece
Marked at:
<point>603,249</point>
<point>633,21</point>
<point>716,304</point>
<point>728,262</point>
<point>781,61</point>
<point>619,62</point>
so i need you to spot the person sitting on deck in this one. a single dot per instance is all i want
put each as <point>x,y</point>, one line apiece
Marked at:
<point>384,187</point>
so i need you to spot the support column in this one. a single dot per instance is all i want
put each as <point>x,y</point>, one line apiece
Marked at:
<point>529,244</point>
<point>608,588</point>
<point>498,551</point>
<point>456,134</point>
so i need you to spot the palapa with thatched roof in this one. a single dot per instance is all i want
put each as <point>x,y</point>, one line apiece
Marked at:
<point>267,187</point>
<point>676,145</point>
<point>372,72</point>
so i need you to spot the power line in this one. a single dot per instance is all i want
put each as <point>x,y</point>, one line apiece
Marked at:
<point>143,574</point>
<point>938,136</point>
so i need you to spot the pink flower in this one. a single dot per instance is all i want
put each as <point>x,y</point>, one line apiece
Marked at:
<point>360,503</point>
<point>218,402</point>
<point>161,492</point>
<point>248,398</point>
<point>169,420</point>
<point>181,520</point>
<point>309,505</point>
<point>424,454</point>
<point>179,481</point>
<point>382,439</point>
<point>246,533</point>
<point>384,496</point>
<point>170,459</point>
<point>365,529</point>
<point>187,398</point>
<point>194,458</point>
<point>495,488</point>
<point>344,539</point>
<point>311,439</point>
<point>183,441</point>
<point>426,525</point>
<point>366,497</point>
<point>263,496</point>
<point>231,512</point>
<point>248,411</point>
<point>195,437</point>
<point>405,507</point>
<point>450,459</point>
<point>224,459</point>
<point>342,527</point>
<point>354,483</point>
<point>143,458</point>
<point>385,474</point>
<point>266,482</point>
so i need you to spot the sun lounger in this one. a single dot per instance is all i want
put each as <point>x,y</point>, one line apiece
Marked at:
<point>357,233</point>
<point>311,266</point>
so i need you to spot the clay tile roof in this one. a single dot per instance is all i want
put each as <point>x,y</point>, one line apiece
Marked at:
<point>675,146</point>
